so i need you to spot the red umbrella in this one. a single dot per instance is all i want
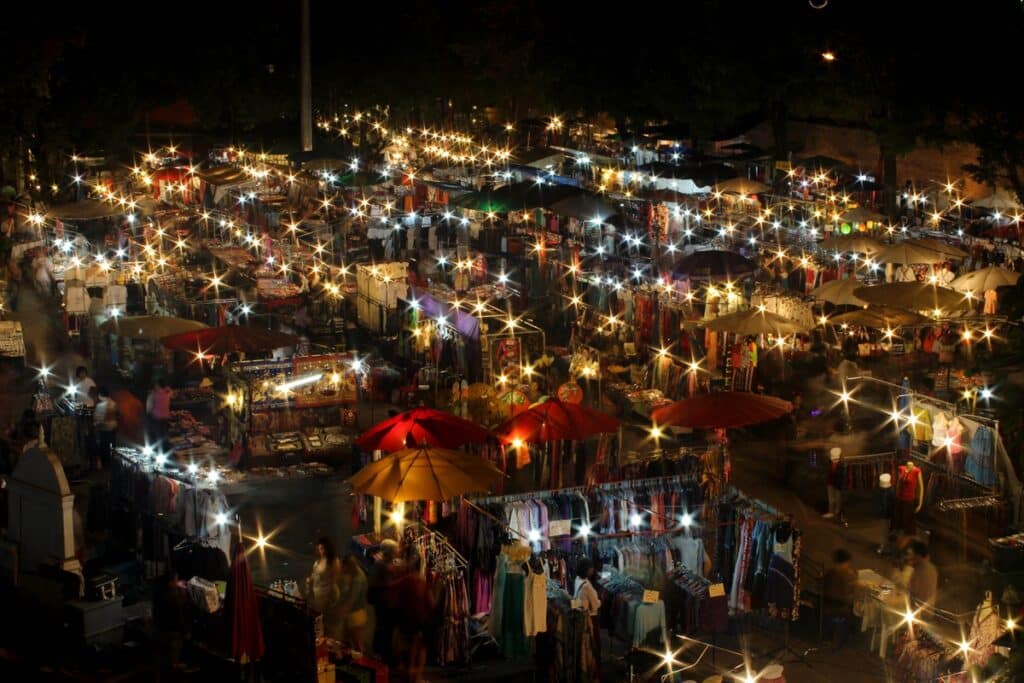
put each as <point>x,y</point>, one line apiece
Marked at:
<point>243,611</point>
<point>229,339</point>
<point>422,427</point>
<point>555,420</point>
<point>722,409</point>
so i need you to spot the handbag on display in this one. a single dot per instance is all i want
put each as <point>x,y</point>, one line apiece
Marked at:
<point>203,594</point>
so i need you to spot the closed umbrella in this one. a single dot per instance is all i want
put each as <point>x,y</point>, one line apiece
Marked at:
<point>422,427</point>
<point>907,252</point>
<point>721,410</point>
<point>754,321</point>
<point>150,327</point>
<point>425,473</point>
<point>985,279</point>
<point>839,292</point>
<point>742,186</point>
<point>229,339</point>
<point>714,264</point>
<point>555,420</point>
<point>242,609</point>
<point>947,250</point>
<point>915,296</point>
<point>881,318</point>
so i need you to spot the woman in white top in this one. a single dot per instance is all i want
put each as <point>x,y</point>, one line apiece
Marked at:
<point>585,592</point>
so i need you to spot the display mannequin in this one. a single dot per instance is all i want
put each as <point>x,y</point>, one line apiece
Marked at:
<point>909,497</point>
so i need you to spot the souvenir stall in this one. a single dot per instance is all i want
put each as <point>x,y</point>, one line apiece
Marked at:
<point>295,410</point>
<point>378,289</point>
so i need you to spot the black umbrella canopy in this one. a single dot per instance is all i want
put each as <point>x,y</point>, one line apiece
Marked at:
<point>715,265</point>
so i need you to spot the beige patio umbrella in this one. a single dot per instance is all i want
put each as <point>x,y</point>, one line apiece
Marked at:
<point>880,317</point>
<point>914,296</point>
<point>985,279</point>
<point>864,244</point>
<point>907,252</point>
<point>947,250</point>
<point>839,292</point>
<point>754,321</point>
<point>742,186</point>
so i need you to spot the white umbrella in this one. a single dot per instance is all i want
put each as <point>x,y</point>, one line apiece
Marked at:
<point>985,279</point>
<point>907,252</point>
<point>862,215</point>
<point>840,292</point>
<point>1000,200</point>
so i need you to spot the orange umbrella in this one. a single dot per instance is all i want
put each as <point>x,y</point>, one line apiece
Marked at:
<point>722,409</point>
<point>425,474</point>
<point>555,420</point>
<point>422,427</point>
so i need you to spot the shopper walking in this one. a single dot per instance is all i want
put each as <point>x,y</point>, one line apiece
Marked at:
<point>104,418</point>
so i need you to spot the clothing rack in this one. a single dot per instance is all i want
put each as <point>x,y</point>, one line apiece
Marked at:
<point>436,542</point>
<point>607,486</point>
<point>951,504</point>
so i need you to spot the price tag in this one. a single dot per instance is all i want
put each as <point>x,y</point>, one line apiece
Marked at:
<point>716,590</point>
<point>560,527</point>
<point>650,596</point>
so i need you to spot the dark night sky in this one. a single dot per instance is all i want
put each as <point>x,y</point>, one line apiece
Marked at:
<point>700,58</point>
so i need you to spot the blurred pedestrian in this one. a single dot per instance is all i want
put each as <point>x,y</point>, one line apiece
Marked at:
<point>104,418</point>
<point>353,609</point>
<point>158,410</point>
<point>840,584</point>
<point>381,582</point>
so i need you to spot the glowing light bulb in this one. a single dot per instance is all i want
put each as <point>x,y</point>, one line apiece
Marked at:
<point>584,530</point>
<point>261,542</point>
<point>220,519</point>
<point>160,459</point>
<point>655,432</point>
<point>686,519</point>
<point>533,535</point>
<point>635,519</point>
<point>193,468</point>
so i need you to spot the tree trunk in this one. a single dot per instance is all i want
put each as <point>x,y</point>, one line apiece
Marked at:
<point>890,183</point>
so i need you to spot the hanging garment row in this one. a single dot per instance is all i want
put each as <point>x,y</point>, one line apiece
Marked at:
<point>757,558</point>
<point>625,614</point>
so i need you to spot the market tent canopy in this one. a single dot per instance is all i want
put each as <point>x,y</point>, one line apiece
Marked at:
<point>754,321</point>
<point>742,186</point>
<point>425,474</point>
<point>422,427</point>
<point>584,206</point>
<point>722,409</point>
<point>915,296</point>
<point>223,175</point>
<point>1000,200</point>
<point>714,264</point>
<point>880,317</point>
<point>516,197</point>
<point>229,339</point>
<point>821,162</point>
<point>863,244</point>
<point>150,327</point>
<point>467,324</point>
<point>985,279</point>
<point>862,215</point>
<point>839,292</point>
<point>85,210</point>
<point>666,189</point>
